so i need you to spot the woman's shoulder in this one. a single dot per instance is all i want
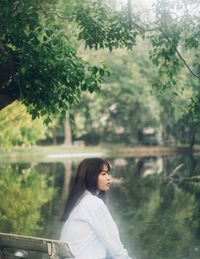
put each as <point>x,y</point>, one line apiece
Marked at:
<point>87,207</point>
<point>90,200</point>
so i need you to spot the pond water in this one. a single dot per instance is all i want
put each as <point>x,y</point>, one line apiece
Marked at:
<point>154,201</point>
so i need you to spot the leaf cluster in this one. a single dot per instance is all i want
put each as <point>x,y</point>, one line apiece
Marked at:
<point>102,27</point>
<point>178,31</point>
<point>48,75</point>
<point>18,128</point>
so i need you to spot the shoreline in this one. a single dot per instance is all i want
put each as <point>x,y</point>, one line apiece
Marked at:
<point>62,153</point>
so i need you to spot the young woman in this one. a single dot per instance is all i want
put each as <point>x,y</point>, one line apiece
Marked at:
<point>89,229</point>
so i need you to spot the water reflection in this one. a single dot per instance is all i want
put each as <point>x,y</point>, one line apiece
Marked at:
<point>22,192</point>
<point>158,213</point>
<point>155,201</point>
<point>67,178</point>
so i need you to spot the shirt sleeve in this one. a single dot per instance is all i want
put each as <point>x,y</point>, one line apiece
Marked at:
<point>107,231</point>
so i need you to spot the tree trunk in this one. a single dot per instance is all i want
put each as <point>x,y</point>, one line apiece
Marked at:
<point>192,164</point>
<point>68,134</point>
<point>130,14</point>
<point>192,140</point>
<point>9,93</point>
<point>54,135</point>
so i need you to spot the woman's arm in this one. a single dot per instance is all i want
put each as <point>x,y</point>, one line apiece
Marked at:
<point>107,231</point>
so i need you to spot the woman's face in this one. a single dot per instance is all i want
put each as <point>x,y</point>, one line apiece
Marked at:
<point>104,179</point>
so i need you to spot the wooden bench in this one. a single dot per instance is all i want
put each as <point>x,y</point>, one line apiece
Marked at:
<point>54,249</point>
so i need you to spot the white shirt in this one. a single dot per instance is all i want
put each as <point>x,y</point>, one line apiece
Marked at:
<point>91,231</point>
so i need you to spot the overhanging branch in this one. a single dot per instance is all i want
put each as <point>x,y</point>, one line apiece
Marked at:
<point>139,27</point>
<point>53,12</point>
<point>181,57</point>
<point>185,63</point>
<point>60,16</point>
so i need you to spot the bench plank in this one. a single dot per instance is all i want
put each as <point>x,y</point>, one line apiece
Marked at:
<point>55,248</point>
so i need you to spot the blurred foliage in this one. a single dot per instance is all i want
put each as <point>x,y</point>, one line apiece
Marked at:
<point>22,192</point>
<point>173,30</point>
<point>18,128</point>
<point>127,104</point>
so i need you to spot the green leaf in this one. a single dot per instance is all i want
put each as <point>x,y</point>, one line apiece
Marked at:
<point>101,72</point>
<point>94,69</point>
<point>23,70</point>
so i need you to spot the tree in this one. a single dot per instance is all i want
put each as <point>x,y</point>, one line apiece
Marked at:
<point>68,133</point>
<point>18,128</point>
<point>38,64</point>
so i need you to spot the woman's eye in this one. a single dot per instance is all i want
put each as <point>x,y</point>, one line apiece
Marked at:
<point>105,173</point>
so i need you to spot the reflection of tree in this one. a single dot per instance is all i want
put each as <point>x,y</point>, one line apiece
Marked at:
<point>165,229</point>
<point>68,168</point>
<point>53,186</point>
<point>22,195</point>
<point>158,220</point>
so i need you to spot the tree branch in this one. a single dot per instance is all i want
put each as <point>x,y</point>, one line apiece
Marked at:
<point>61,16</point>
<point>141,28</point>
<point>43,10</point>
<point>176,169</point>
<point>56,13</point>
<point>182,179</point>
<point>145,29</point>
<point>181,57</point>
<point>194,74</point>
<point>129,14</point>
<point>195,177</point>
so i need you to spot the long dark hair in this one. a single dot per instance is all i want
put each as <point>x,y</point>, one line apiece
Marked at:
<point>86,179</point>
